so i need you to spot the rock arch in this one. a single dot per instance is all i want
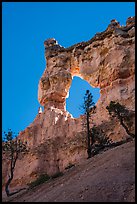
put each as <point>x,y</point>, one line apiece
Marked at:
<point>106,61</point>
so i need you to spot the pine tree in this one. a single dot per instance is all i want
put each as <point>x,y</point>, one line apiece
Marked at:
<point>119,111</point>
<point>88,105</point>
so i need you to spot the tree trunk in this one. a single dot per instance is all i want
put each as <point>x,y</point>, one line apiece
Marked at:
<point>88,137</point>
<point>7,185</point>
<point>12,166</point>
<point>126,128</point>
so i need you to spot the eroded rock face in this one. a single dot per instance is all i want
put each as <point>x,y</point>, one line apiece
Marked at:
<point>106,61</point>
<point>103,60</point>
<point>55,138</point>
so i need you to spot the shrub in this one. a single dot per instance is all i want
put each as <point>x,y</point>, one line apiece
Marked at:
<point>58,174</point>
<point>69,166</point>
<point>99,136</point>
<point>41,179</point>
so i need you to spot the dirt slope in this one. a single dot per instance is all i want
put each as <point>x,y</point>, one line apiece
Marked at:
<point>107,177</point>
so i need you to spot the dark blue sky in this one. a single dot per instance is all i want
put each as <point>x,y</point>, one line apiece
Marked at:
<point>25,26</point>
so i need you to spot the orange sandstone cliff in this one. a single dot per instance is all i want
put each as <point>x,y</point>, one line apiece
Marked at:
<point>55,138</point>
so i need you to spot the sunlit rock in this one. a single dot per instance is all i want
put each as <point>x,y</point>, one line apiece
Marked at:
<point>55,138</point>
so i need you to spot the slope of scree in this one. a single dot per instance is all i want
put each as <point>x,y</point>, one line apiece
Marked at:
<point>107,177</point>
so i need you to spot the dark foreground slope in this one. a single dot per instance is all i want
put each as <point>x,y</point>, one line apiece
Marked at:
<point>107,177</point>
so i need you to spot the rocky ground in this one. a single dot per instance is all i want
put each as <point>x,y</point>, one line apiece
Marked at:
<point>107,177</point>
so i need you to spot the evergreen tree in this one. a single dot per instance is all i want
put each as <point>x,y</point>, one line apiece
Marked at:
<point>88,105</point>
<point>115,109</point>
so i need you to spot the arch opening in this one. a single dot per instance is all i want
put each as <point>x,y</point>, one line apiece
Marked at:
<point>76,96</point>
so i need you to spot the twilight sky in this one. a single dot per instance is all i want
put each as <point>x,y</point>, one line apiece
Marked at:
<point>25,26</point>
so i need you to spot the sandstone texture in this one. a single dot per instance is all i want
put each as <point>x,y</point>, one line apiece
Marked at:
<point>55,138</point>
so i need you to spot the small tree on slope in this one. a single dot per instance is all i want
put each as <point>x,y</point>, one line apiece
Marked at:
<point>117,110</point>
<point>88,105</point>
<point>12,148</point>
